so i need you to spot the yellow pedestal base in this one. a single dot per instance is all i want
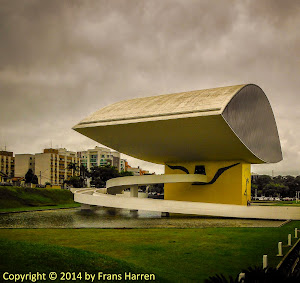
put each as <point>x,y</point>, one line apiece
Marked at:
<point>232,187</point>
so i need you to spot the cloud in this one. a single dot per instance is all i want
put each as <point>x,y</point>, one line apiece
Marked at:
<point>62,60</point>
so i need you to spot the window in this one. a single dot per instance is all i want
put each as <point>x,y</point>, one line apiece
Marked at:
<point>200,169</point>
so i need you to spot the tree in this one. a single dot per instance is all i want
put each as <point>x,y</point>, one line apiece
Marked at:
<point>274,189</point>
<point>84,172</point>
<point>75,181</point>
<point>30,177</point>
<point>73,166</point>
<point>262,181</point>
<point>278,179</point>
<point>293,184</point>
<point>125,173</point>
<point>253,188</point>
<point>100,174</point>
<point>35,180</point>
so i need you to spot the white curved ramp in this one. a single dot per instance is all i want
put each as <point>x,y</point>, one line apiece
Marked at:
<point>92,197</point>
<point>155,179</point>
<point>116,185</point>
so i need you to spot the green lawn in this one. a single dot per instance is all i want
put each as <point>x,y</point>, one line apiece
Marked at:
<point>23,257</point>
<point>34,208</point>
<point>26,199</point>
<point>178,255</point>
<point>277,203</point>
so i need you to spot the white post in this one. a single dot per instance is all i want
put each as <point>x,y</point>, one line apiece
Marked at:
<point>296,233</point>
<point>88,182</point>
<point>289,239</point>
<point>134,191</point>
<point>280,249</point>
<point>265,261</point>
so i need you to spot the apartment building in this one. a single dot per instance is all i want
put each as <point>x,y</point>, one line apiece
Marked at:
<point>7,164</point>
<point>123,165</point>
<point>24,162</point>
<point>53,165</point>
<point>100,156</point>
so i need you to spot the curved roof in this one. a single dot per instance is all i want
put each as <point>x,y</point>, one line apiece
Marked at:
<point>165,106</point>
<point>226,123</point>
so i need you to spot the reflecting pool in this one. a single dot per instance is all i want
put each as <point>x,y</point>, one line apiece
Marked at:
<point>102,217</point>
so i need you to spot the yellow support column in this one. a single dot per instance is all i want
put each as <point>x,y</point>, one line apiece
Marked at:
<point>232,187</point>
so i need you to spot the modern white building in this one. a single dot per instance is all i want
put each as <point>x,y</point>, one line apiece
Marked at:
<point>51,166</point>
<point>101,156</point>
<point>207,139</point>
<point>24,162</point>
<point>123,165</point>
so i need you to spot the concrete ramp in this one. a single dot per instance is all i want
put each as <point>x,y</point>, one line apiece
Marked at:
<point>95,197</point>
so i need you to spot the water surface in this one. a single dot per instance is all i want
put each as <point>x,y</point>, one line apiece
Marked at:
<point>101,217</point>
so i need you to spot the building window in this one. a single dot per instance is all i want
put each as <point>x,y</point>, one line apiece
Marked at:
<point>200,169</point>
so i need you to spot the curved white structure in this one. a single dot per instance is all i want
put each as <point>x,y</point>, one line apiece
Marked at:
<point>107,197</point>
<point>226,123</point>
<point>117,185</point>
<point>94,197</point>
<point>200,134</point>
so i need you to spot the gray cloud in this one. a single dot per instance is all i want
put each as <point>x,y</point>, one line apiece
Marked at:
<point>61,60</point>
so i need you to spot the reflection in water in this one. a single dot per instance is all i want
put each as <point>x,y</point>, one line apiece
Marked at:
<point>101,217</point>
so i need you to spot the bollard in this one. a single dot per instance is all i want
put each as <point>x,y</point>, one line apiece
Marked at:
<point>289,239</point>
<point>280,249</point>
<point>241,277</point>
<point>265,261</point>
<point>296,233</point>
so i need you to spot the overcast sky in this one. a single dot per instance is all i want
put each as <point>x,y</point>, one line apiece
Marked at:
<point>62,60</point>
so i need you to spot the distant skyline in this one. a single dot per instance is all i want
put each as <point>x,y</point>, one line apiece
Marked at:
<point>62,60</point>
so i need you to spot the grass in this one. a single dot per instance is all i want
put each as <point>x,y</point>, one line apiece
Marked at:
<point>277,203</point>
<point>32,257</point>
<point>23,199</point>
<point>35,208</point>
<point>178,255</point>
<point>288,203</point>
